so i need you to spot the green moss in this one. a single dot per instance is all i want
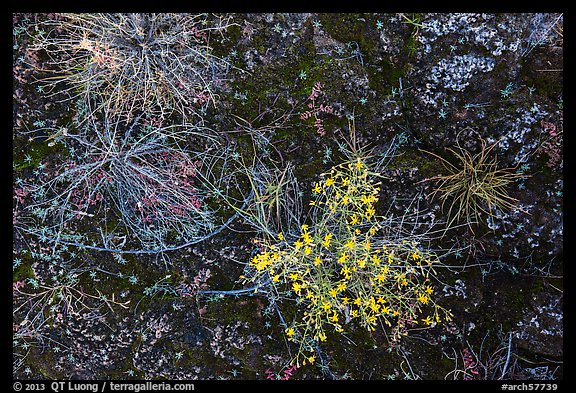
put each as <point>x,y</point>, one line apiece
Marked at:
<point>542,73</point>
<point>23,272</point>
<point>383,70</point>
<point>222,47</point>
<point>445,363</point>
<point>412,158</point>
<point>42,363</point>
<point>37,151</point>
<point>346,27</point>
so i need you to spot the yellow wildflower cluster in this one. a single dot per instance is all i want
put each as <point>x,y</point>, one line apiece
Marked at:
<point>342,269</point>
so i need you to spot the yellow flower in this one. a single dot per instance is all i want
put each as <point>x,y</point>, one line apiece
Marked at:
<point>343,258</point>
<point>329,181</point>
<point>404,282</point>
<point>362,263</point>
<point>276,278</point>
<point>317,261</point>
<point>261,261</point>
<point>345,200</point>
<point>297,287</point>
<point>423,299</point>
<point>341,286</point>
<point>294,276</point>
<point>357,301</point>
<point>381,278</point>
<point>305,228</point>
<point>290,332</point>
<point>326,306</point>
<point>312,203</point>
<point>386,310</point>
<point>345,300</point>
<point>280,236</point>
<point>332,292</point>
<point>307,250</point>
<point>327,239</point>
<point>370,212</point>
<point>359,165</point>
<point>372,231</point>
<point>349,244</point>
<point>298,244</point>
<point>353,220</point>
<point>345,181</point>
<point>429,290</point>
<point>345,271</point>
<point>367,244</point>
<point>334,317</point>
<point>427,320</point>
<point>322,336</point>
<point>415,255</point>
<point>307,238</point>
<point>375,260</point>
<point>354,313</point>
<point>311,359</point>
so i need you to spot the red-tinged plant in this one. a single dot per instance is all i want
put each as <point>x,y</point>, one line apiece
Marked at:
<point>470,365</point>
<point>283,376</point>
<point>552,146</point>
<point>315,110</point>
<point>20,193</point>
<point>17,285</point>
